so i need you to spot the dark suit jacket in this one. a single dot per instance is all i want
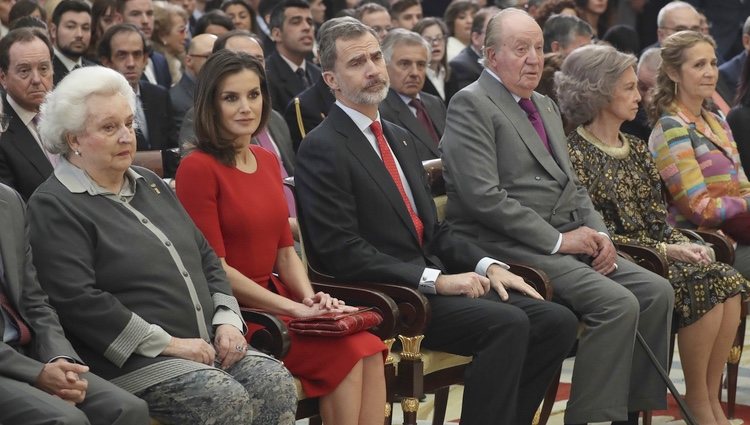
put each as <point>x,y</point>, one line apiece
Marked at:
<point>730,72</point>
<point>285,84</point>
<point>280,134</point>
<point>24,293</point>
<point>314,104</point>
<point>394,109</point>
<point>739,121</point>
<point>450,89</point>
<point>465,68</point>
<point>181,96</point>
<point>161,70</point>
<point>23,164</point>
<point>157,108</point>
<point>61,71</point>
<point>354,221</point>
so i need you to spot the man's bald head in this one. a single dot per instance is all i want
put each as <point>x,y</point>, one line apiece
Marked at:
<point>199,50</point>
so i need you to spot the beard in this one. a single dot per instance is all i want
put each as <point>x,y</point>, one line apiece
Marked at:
<point>70,52</point>
<point>366,95</point>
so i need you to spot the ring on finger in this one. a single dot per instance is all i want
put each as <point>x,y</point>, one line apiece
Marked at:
<point>240,348</point>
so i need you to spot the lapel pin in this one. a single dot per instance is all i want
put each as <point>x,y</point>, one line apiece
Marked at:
<point>404,142</point>
<point>156,189</point>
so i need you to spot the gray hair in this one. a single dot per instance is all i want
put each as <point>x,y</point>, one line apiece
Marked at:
<point>587,79</point>
<point>563,29</point>
<point>344,28</point>
<point>64,111</point>
<point>746,26</point>
<point>492,37</point>
<point>670,7</point>
<point>650,58</point>
<point>399,36</point>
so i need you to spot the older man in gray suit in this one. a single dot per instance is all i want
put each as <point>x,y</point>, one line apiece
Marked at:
<point>511,187</point>
<point>42,380</point>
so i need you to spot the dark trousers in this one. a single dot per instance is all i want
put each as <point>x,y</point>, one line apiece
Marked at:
<point>517,347</point>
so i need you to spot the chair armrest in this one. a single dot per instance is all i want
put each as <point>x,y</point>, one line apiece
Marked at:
<point>358,296</point>
<point>534,277</point>
<point>646,257</point>
<point>273,338</point>
<point>723,248</point>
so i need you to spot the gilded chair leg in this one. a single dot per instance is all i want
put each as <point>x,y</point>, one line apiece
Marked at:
<point>733,366</point>
<point>388,416</point>
<point>410,406</point>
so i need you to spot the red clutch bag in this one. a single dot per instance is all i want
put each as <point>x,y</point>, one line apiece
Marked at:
<point>337,324</point>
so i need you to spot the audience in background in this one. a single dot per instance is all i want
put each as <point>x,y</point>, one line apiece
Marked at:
<point>214,22</point>
<point>466,66</point>
<point>550,8</point>
<point>169,35</point>
<point>103,16</point>
<point>739,117</point>
<point>405,13</point>
<point>26,73</point>
<point>241,14</point>
<point>563,34</point>
<point>71,32</point>
<point>182,93</point>
<point>731,70</point>
<point>439,80</point>
<point>459,17</point>
<point>26,8</point>
<point>140,13</point>
<point>376,17</point>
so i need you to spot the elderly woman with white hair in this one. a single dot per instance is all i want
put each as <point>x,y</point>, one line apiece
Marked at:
<point>597,90</point>
<point>140,293</point>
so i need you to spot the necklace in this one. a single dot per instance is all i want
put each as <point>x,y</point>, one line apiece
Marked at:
<point>619,152</point>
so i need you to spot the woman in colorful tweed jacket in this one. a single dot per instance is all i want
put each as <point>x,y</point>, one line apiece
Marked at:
<point>693,148</point>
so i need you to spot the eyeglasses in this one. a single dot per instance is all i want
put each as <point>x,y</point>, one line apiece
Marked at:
<point>434,40</point>
<point>679,28</point>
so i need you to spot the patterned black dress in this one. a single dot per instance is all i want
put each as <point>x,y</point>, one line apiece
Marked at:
<point>625,188</point>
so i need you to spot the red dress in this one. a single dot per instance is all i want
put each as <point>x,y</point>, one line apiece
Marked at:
<point>245,219</point>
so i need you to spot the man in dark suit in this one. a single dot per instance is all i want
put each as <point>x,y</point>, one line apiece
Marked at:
<point>71,32</point>
<point>731,71</point>
<point>24,163</point>
<point>307,110</point>
<point>181,94</point>
<point>511,186</point>
<point>423,115</point>
<point>42,379</point>
<point>288,70</point>
<point>368,215</point>
<point>123,48</point>
<point>465,67</point>
<point>140,13</point>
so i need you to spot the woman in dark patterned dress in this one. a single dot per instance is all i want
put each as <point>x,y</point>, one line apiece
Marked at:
<point>597,90</point>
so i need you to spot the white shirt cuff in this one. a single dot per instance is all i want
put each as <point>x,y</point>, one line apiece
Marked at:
<point>225,316</point>
<point>154,343</point>
<point>557,245</point>
<point>427,281</point>
<point>602,233</point>
<point>485,264</point>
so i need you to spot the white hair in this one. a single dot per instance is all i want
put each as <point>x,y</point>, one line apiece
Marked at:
<point>64,110</point>
<point>670,7</point>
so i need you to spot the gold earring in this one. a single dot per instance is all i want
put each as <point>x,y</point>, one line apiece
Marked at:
<point>675,89</point>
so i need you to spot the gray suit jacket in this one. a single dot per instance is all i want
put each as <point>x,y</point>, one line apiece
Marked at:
<point>23,290</point>
<point>504,188</point>
<point>394,109</point>
<point>181,96</point>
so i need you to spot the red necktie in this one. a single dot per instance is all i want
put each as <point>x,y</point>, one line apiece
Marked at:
<point>390,165</point>
<point>24,334</point>
<point>533,114</point>
<point>424,118</point>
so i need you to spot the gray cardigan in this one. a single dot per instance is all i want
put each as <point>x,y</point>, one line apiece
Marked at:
<point>115,265</point>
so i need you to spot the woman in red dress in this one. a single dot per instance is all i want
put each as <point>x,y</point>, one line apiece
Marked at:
<point>233,192</point>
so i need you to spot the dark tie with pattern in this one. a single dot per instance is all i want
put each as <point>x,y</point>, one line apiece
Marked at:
<point>303,77</point>
<point>528,106</point>
<point>390,164</point>
<point>24,334</point>
<point>424,118</point>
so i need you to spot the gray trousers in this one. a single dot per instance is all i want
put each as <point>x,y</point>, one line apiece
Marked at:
<point>612,374</point>
<point>256,390</point>
<point>105,404</point>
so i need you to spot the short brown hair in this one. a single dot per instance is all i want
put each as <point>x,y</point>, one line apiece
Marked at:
<point>218,67</point>
<point>21,35</point>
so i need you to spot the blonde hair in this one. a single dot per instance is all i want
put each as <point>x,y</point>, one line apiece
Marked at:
<point>672,57</point>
